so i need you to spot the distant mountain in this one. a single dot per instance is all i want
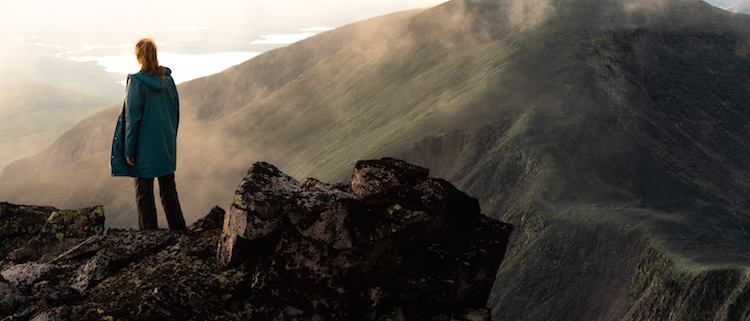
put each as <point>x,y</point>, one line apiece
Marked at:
<point>614,136</point>
<point>33,116</point>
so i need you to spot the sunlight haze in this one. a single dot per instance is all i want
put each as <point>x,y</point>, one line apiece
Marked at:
<point>87,45</point>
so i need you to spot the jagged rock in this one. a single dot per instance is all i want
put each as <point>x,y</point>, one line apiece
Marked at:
<point>178,282</point>
<point>10,302</point>
<point>25,275</point>
<point>45,290</point>
<point>6,287</point>
<point>113,251</point>
<point>266,201</point>
<point>391,243</point>
<point>214,220</point>
<point>10,297</point>
<point>373,177</point>
<point>19,224</point>
<point>59,313</point>
<point>123,246</point>
<point>155,307</point>
<point>61,231</point>
<point>90,245</point>
<point>411,247</point>
<point>256,211</point>
<point>90,272</point>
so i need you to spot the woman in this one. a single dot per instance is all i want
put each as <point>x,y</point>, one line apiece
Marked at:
<point>145,142</point>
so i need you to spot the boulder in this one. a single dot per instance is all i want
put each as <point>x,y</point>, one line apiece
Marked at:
<point>89,273</point>
<point>392,243</point>
<point>20,223</point>
<point>256,211</point>
<point>403,247</point>
<point>58,314</point>
<point>214,220</point>
<point>10,297</point>
<point>61,231</point>
<point>374,177</point>
<point>112,251</point>
<point>25,275</point>
<point>266,201</point>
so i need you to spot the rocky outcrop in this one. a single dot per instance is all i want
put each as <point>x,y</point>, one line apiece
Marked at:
<point>266,201</point>
<point>19,224</point>
<point>32,236</point>
<point>390,244</point>
<point>62,230</point>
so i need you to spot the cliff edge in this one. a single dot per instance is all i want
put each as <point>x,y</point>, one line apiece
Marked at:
<point>389,244</point>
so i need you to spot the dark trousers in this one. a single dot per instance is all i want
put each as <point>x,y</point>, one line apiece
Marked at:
<point>144,197</point>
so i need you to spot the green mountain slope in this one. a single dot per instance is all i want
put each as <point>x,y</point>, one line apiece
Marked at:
<point>33,115</point>
<point>612,134</point>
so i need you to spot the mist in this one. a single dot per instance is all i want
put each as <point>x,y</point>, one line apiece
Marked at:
<point>84,45</point>
<point>81,46</point>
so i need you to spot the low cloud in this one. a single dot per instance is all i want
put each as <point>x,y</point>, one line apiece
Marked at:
<point>317,29</point>
<point>184,66</point>
<point>282,39</point>
<point>529,13</point>
<point>118,64</point>
<point>47,45</point>
<point>189,28</point>
<point>290,38</point>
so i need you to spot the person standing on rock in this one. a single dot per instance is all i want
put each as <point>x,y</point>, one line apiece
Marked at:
<point>145,142</point>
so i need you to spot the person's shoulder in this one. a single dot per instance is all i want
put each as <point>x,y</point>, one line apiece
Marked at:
<point>137,76</point>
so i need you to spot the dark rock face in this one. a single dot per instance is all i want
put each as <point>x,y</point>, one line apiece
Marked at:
<point>392,243</point>
<point>373,177</point>
<point>398,246</point>
<point>19,224</point>
<point>62,230</point>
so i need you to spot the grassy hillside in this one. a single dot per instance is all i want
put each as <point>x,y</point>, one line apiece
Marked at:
<point>33,116</point>
<point>612,134</point>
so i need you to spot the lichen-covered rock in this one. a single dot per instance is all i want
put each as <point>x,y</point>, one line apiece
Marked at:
<point>58,314</point>
<point>6,288</point>
<point>257,209</point>
<point>113,251</point>
<point>89,273</point>
<point>373,177</point>
<point>390,244</point>
<point>25,275</point>
<point>266,201</point>
<point>10,302</point>
<point>10,296</point>
<point>410,248</point>
<point>19,224</point>
<point>214,220</point>
<point>61,231</point>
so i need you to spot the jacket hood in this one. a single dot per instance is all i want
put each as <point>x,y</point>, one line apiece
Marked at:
<point>152,81</point>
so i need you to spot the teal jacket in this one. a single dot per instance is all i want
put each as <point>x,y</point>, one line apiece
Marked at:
<point>147,127</point>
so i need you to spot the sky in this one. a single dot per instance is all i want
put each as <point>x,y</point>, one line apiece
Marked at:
<point>87,45</point>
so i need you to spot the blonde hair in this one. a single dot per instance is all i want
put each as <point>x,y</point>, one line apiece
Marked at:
<point>145,52</point>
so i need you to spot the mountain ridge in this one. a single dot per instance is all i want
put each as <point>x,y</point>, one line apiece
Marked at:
<point>33,115</point>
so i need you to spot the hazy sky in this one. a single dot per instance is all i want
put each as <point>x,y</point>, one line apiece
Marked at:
<point>59,42</point>
<point>87,45</point>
